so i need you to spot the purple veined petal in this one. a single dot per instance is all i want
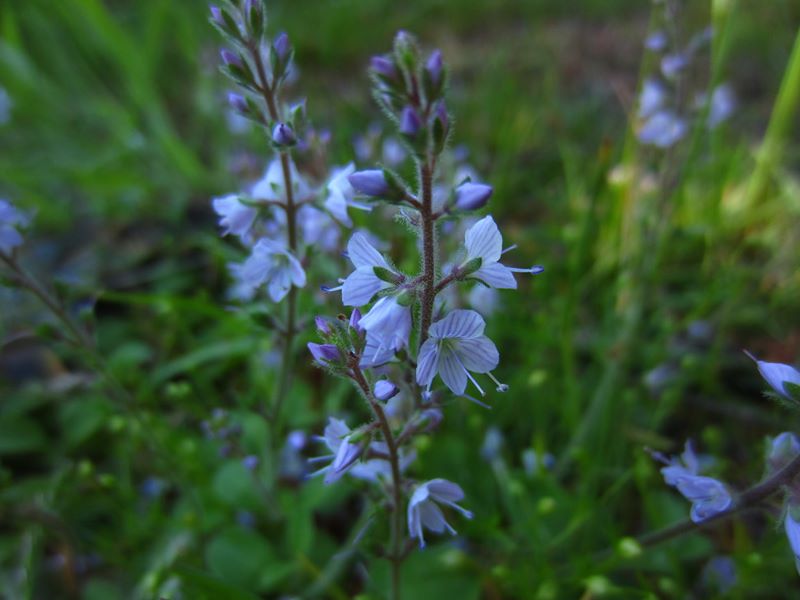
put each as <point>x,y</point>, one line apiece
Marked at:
<point>426,362</point>
<point>360,286</point>
<point>496,275</point>
<point>452,371</point>
<point>389,322</point>
<point>432,518</point>
<point>478,355</point>
<point>459,323</point>
<point>792,527</point>
<point>363,254</point>
<point>674,473</point>
<point>483,240</point>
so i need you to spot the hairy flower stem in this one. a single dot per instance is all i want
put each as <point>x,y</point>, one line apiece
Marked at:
<point>396,554</point>
<point>428,250</point>
<point>285,378</point>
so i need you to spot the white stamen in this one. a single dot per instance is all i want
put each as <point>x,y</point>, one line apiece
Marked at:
<point>501,387</point>
<point>509,249</point>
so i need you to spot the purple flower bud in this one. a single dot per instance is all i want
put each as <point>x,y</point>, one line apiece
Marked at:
<point>283,135</point>
<point>383,67</point>
<point>237,102</point>
<point>385,389</point>
<point>410,123</point>
<point>250,462</point>
<point>216,15</point>
<point>323,326</point>
<point>281,46</point>
<point>472,196</point>
<point>324,353</point>
<point>783,448</point>
<point>430,418</point>
<point>440,113</point>
<point>230,58</point>
<point>355,317</point>
<point>370,182</point>
<point>434,67</point>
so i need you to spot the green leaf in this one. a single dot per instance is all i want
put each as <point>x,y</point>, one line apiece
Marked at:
<point>233,485</point>
<point>80,419</point>
<point>240,557</point>
<point>20,434</point>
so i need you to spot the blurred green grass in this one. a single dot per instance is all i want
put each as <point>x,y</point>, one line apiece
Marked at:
<point>118,139</point>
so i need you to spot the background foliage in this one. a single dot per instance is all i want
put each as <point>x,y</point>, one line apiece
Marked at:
<point>117,138</point>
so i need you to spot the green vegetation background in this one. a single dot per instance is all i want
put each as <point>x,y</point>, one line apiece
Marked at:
<point>118,139</point>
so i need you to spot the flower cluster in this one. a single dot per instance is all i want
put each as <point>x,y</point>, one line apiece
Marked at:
<point>663,119</point>
<point>403,335</point>
<point>281,214</point>
<point>710,497</point>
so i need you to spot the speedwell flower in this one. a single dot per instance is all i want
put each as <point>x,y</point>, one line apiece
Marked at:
<point>388,324</point>
<point>424,511</point>
<point>363,283</point>
<point>708,496</point>
<point>455,346</point>
<point>484,246</point>
<point>340,195</point>
<point>273,265</point>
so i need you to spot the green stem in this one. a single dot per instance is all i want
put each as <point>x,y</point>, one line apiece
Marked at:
<point>428,251</point>
<point>396,555</point>
<point>285,378</point>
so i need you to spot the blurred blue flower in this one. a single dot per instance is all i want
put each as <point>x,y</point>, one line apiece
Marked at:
<point>792,526</point>
<point>663,129</point>
<point>424,511</point>
<point>272,264</point>
<point>777,375</point>
<point>11,219</point>
<point>235,217</point>
<point>783,448</point>
<point>707,495</point>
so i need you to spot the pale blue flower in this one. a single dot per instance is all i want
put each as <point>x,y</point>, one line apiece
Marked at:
<point>11,219</point>
<point>271,186</point>
<point>656,41</point>
<point>777,375</point>
<point>651,97</point>
<point>424,511</point>
<point>376,352</point>
<point>456,347</point>
<point>483,241</point>
<point>370,182</point>
<point>362,284</point>
<point>672,64</point>
<point>388,323</point>
<point>235,216</point>
<point>662,129</point>
<point>271,263</point>
<point>707,495</point>
<point>340,195</point>
<point>723,103</point>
